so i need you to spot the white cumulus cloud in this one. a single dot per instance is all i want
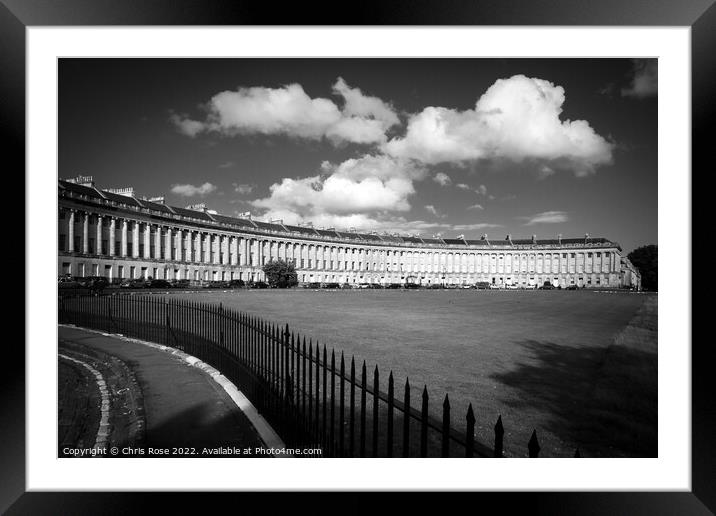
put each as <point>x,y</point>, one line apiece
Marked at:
<point>187,190</point>
<point>289,110</point>
<point>345,194</point>
<point>516,119</point>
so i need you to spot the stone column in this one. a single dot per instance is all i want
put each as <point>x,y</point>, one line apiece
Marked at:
<point>123,236</point>
<point>187,247</point>
<point>85,233</point>
<point>71,232</point>
<point>147,231</point>
<point>203,247</point>
<point>135,239</point>
<point>168,244</point>
<point>98,231</point>
<point>112,236</point>
<point>157,242</point>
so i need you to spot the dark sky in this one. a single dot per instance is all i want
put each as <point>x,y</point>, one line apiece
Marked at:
<point>115,123</point>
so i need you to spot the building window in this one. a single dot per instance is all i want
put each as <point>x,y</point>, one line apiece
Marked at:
<point>61,243</point>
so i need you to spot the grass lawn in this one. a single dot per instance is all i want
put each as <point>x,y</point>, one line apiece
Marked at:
<point>579,366</point>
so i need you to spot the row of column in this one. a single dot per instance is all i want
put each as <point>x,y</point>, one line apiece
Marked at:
<point>210,248</point>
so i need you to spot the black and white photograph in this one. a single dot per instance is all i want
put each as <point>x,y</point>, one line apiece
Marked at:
<point>416,242</point>
<point>357,257</point>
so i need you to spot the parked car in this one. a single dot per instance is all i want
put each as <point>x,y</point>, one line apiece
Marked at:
<point>95,282</point>
<point>179,283</point>
<point>482,285</point>
<point>68,282</point>
<point>331,285</point>
<point>393,285</point>
<point>511,286</point>
<point>236,283</point>
<point>547,286</point>
<point>159,283</point>
<point>572,287</point>
<point>375,285</point>
<point>132,283</point>
<point>259,284</point>
<point>411,285</point>
<point>495,286</point>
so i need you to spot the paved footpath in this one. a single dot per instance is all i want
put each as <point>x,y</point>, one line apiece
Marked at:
<point>183,405</point>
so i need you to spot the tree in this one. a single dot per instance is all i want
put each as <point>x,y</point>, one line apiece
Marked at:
<point>646,259</point>
<point>280,274</point>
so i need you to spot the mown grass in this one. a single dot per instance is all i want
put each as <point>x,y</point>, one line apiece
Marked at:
<point>578,366</point>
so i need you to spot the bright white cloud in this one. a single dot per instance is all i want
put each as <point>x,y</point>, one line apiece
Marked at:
<point>289,110</point>
<point>516,119</point>
<point>644,80</point>
<point>475,207</point>
<point>358,104</point>
<point>187,190</point>
<point>462,186</point>
<point>481,190</point>
<point>442,179</point>
<point>348,191</point>
<point>546,217</point>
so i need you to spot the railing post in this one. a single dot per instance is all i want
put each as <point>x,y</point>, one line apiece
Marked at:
<point>324,438</point>
<point>309,424</point>
<point>333,403</point>
<point>406,419</point>
<point>341,412</point>
<point>446,428</point>
<point>533,446</point>
<point>352,416</point>
<point>470,432</point>
<point>389,441</point>
<point>166,326</point>
<point>364,380</point>
<point>424,424</point>
<point>499,434</point>
<point>375,411</point>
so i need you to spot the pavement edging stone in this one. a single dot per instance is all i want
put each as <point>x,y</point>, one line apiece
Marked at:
<point>266,433</point>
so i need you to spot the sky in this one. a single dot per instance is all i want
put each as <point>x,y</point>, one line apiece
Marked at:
<point>415,146</point>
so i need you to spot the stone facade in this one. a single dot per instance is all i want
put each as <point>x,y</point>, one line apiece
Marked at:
<point>101,233</point>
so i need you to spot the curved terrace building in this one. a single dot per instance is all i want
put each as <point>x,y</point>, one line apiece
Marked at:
<point>115,234</point>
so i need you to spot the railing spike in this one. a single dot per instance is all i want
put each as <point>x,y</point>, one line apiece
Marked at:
<point>533,446</point>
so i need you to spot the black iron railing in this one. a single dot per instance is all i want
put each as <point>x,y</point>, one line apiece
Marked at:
<point>311,397</point>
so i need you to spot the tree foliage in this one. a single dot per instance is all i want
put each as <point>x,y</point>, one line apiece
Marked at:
<point>280,274</point>
<point>646,259</point>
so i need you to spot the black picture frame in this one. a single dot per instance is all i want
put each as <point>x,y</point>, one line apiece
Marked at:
<point>17,15</point>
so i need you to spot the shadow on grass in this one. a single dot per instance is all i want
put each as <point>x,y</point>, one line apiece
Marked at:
<point>604,400</point>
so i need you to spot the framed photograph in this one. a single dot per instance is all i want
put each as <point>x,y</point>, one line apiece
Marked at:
<point>419,249</point>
